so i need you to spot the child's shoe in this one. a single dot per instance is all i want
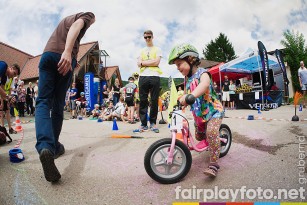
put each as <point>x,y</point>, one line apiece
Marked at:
<point>212,170</point>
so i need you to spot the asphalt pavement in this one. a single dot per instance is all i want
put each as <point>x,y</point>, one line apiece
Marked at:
<point>268,152</point>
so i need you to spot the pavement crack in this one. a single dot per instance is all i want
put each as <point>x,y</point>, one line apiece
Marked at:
<point>257,144</point>
<point>295,130</point>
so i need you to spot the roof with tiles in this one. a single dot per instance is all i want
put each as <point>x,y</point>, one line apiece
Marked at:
<point>30,70</point>
<point>13,55</point>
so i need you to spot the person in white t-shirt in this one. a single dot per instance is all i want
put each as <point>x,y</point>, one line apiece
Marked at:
<point>35,92</point>
<point>302,77</point>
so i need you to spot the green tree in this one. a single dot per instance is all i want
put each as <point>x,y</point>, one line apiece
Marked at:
<point>220,50</point>
<point>295,51</point>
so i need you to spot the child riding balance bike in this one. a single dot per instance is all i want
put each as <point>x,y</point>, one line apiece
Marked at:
<point>169,160</point>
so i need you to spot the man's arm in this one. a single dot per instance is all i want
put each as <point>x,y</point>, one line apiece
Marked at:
<point>299,78</point>
<point>65,62</point>
<point>2,92</point>
<point>153,62</point>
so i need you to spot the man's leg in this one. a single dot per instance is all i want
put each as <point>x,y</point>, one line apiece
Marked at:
<point>304,98</point>
<point>46,88</point>
<point>1,118</point>
<point>57,114</point>
<point>8,118</point>
<point>144,90</point>
<point>155,89</point>
<point>43,123</point>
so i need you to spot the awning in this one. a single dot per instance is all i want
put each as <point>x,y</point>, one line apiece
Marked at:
<point>249,62</point>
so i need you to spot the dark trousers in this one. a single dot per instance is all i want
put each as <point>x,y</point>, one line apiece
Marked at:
<point>21,109</point>
<point>149,84</point>
<point>52,89</point>
<point>30,109</point>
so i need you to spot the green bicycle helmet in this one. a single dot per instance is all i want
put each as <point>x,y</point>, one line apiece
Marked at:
<point>181,51</point>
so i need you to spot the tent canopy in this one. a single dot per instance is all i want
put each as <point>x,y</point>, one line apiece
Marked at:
<point>249,62</point>
<point>215,73</point>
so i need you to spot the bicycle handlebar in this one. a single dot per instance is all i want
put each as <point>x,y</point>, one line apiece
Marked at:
<point>190,99</point>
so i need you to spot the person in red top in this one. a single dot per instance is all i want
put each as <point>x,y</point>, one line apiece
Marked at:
<point>274,87</point>
<point>82,101</point>
<point>55,73</point>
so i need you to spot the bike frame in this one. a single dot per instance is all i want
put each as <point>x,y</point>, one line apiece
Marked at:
<point>186,134</point>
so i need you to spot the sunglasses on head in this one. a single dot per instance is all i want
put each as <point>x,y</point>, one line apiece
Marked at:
<point>145,37</point>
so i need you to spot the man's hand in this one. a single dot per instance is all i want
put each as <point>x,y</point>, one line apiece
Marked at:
<point>139,64</point>
<point>65,63</point>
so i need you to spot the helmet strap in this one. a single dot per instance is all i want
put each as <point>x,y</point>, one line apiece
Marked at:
<point>191,65</point>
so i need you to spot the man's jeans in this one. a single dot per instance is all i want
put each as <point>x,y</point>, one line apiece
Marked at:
<point>52,88</point>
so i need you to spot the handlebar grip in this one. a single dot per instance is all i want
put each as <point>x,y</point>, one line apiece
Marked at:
<point>190,99</point>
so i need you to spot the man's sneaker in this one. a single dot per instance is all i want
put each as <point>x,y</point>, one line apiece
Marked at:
<point>51,172</point>
<point>154,128</point>
<point>141,129</point>
<point>12,131</point>
<point>60,151</point>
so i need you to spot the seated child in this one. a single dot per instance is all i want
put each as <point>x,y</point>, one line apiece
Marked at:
<point>106,114</point>
<point>96,112</point>
<point>119,110</point>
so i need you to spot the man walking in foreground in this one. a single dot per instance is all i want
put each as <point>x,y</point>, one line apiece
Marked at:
<point>55,71</point>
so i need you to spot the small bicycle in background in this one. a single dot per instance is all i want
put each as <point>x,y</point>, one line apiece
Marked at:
<point>79,111</point>
<point>169,160</point>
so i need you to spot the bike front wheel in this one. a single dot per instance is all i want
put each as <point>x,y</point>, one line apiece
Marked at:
<point>226,134</point>
<point>155,161</point>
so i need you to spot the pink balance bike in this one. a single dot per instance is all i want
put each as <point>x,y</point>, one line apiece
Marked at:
<point>169,160</point>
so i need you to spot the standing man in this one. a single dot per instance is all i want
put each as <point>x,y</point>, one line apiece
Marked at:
<point>55,72</point>
<point>225,91</point>
<point>149,82</point>
<point>302,76</point>
<point>7,72</point>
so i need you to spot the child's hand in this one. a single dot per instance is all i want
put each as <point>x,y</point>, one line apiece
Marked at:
<point>182,100</point>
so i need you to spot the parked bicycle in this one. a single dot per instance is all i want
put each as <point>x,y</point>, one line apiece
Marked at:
<point>169,160</point>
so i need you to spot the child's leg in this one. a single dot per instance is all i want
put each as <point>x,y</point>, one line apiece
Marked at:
<point>212,134</point>
<point>129,114</point>
<point>200,128</point>
<point>132,113</point>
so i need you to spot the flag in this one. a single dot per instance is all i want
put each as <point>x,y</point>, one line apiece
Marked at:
<point>297,97</point>
<point>15,112</point>
<point>173,98</point>
<point>283,68</point>
<point>265,66</point>
<point>281,63</point>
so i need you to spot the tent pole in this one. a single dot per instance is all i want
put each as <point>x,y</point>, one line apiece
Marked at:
<point>220,84</point>
<point>260,82</point>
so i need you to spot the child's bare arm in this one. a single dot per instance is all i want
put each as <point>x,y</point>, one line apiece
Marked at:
<point>202,86</point>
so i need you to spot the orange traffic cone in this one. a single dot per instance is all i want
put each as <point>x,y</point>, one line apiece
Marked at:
<point>18,127</point>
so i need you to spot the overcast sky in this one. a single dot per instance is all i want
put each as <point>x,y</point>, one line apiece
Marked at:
<point>119,26</point>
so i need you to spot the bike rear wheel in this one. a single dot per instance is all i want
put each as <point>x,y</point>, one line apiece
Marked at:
<point>155,161</point>
<point>226,134</point>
